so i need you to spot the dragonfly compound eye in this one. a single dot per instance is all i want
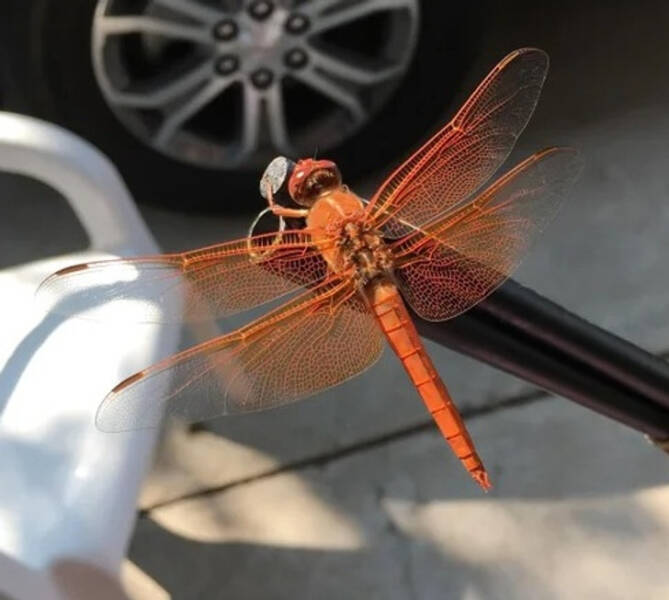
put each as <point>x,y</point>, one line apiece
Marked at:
<point>312,177</point>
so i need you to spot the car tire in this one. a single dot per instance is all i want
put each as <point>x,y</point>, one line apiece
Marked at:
<point>51,76</point>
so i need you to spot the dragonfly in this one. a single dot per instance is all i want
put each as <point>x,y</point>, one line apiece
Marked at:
<point>433,236</point>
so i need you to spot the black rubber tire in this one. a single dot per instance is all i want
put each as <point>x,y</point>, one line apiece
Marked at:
<point>51,76</point>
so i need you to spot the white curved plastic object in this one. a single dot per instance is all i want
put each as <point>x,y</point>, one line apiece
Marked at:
<point>68,494</point>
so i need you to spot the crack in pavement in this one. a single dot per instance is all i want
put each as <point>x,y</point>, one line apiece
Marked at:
<point>320,460</point>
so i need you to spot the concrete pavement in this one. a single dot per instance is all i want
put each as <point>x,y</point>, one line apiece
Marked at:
<point>579,510</point>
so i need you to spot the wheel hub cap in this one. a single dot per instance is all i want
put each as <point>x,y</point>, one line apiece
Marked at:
<point>230,86</point>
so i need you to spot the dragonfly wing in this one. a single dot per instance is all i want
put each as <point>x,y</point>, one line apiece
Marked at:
<point>463,155</point>
<point>192,286</point>
<point>462,258</point>
<point>319,339</point>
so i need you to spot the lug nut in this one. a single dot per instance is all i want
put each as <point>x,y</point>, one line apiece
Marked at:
<point>226,30</point>
<point>296,58</point>
<point>261,9</point>
<point>262,78</point>
<point>297,23</point>
<point>226,64</point>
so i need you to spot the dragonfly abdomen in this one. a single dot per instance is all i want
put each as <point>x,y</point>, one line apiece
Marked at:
<point>397,325</point>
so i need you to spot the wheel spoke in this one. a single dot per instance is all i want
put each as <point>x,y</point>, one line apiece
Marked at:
<point>332,65</point>
<point>163,94</point>
<point>250,122</point>
<point>315,7</point>
<point>154,25</point>
<point>192,9</point>
<point>176,118</point>
<point>335,92</point>
<point>277,120</point>
<point>324,20</point>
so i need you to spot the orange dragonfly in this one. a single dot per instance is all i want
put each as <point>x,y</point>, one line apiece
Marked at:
<point>428,236</point>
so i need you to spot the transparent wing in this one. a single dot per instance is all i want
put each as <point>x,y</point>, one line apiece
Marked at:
<point>463,155</point>
<point>462,258</point>
<point>318,340</point>
<point>192,286</point>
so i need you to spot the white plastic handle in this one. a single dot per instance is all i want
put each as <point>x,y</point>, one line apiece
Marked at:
<point>82,174</point>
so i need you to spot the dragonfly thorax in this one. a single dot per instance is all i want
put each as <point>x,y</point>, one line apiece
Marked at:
<point>364,250</point>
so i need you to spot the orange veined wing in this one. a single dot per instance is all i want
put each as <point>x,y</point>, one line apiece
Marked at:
<point>463,155</point>
<point>461,258</point>
<point>191,286</point>
<point>317,340</point>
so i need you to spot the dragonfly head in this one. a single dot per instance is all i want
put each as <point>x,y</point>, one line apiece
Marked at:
<point>311,178</point>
